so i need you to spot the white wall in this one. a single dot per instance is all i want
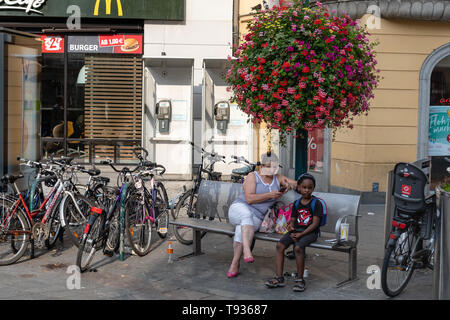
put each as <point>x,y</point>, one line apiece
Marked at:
<point>207,32</point>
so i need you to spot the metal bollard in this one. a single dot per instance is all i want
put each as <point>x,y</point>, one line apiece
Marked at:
<point>441,272</point>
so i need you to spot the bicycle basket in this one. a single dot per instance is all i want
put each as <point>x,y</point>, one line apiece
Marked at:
<point>409,188</point>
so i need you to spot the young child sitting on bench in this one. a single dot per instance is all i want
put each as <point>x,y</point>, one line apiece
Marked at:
<point>303,230</point>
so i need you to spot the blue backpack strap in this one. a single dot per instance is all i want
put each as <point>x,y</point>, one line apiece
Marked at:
<point>297,202</point>
<point>313,203</point>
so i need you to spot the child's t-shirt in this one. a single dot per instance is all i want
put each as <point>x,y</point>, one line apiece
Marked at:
<point>304,214</point>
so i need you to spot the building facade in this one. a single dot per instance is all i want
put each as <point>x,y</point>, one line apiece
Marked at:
<point>409,115</point>
<point>72,77</point>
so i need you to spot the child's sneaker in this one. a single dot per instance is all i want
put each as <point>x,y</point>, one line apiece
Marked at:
<point>300,285</point>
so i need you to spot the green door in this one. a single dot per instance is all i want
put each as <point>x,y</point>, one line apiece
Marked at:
<point>301,154</point>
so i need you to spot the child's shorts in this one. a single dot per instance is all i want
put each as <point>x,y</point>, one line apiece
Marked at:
<point>302,242</point>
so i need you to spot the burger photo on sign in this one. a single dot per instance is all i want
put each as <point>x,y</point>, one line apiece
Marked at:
<point>130,44</point>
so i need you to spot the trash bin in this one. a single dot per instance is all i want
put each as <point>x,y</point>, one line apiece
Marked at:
<point>441,272</point>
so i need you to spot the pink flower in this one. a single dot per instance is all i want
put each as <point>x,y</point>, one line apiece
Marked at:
<point>291,90</point>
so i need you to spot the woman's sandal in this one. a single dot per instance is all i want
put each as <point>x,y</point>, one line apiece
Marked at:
<point>275,282</point>
<point>300,285</point>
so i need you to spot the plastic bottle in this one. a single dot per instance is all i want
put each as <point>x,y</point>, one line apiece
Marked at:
<point>170,252</point>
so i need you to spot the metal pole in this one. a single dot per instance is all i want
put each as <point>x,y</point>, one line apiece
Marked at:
<point>2,101</point>
<point>441,272</point>
<point>122,221</point>
<point>66,98</point>
<point>389,207</point>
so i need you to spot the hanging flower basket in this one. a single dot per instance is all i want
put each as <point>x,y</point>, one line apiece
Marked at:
<point>302,68</point>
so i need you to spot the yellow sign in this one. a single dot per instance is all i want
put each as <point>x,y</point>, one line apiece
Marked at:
<point>108,7</point>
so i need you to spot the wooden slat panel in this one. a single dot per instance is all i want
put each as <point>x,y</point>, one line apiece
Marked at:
<point>113,102</point>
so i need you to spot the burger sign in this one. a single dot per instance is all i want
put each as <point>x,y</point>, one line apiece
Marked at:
<point>117,43</point>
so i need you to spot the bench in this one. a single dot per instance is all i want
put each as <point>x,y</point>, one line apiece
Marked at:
<point>215,197</point>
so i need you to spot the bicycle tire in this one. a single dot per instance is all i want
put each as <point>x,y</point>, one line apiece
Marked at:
<point>10,242</point>
<point>137,225</point>
<point>162,220</point>
<point>388,262</point>
<point>183,234</point>
<point>55,228</point>
<point>90,243</point>
<point>75,221</point>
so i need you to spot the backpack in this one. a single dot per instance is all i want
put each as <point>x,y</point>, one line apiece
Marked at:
<point>283,217</point>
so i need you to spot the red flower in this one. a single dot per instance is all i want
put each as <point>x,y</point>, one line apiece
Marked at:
<point>317,21</point>
<point>305,70</point>
<point>284,83</point>
<point>297,96</point>
<point>264,45</point>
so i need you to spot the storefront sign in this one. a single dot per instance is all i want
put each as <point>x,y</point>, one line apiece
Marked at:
<point>131,44</point>
<point>27,6</point>
<point>112,9</point>
<point>439,131</point>
<point>52,44</point>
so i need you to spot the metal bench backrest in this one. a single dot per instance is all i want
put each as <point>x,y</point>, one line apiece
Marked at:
<point>338,205</point>
<point>215,197</point>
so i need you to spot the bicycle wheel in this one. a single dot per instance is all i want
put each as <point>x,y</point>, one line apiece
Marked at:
<point>76,219</point>
<point>15,236</point>
<point>138,225</point>
<point>55,228</point>
<point>162,210</point>
<point>90,243</point>
<point>398,264</point>
<point>185,234</point>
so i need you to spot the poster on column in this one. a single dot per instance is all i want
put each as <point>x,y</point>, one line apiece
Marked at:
<point>315,150</point>
<point>439,131</point>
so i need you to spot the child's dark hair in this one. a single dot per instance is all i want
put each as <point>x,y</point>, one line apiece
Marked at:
<point>306,176</point>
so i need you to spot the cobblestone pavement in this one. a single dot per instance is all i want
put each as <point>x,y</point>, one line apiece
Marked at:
<point>49,276</point>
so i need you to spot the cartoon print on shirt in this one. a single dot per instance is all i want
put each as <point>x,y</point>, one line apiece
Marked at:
<point>304,217</point>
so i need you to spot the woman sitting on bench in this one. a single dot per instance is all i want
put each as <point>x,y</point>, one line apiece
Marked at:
<point>261,189</point>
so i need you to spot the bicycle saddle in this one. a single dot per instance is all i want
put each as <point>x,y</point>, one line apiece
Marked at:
<point>242,171</point>
<point>10,178</point>
<point>93,172</point>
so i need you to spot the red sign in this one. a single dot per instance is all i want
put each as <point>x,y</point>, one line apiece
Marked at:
<point>131,44</point>
<point>406,190</point>
<point>52,44</point>
<point>111,40</point>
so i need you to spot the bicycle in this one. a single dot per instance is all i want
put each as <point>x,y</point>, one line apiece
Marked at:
<point>186,204</point>
<point>411,240</point>
<point>145,208</point>
<point>21,226</point>
<point>239,174</point>
<point>96,191</point>
<point>102,230</point>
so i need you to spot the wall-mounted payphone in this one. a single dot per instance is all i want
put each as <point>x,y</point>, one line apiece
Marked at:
<point>163,113</point>
<point>222,115</point>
